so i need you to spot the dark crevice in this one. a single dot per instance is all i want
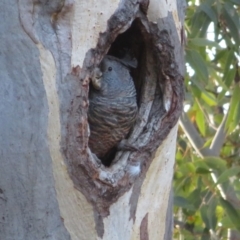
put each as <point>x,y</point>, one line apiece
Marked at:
<point>133,43</point>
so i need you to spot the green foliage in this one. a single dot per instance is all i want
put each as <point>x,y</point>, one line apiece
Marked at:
<point>212,85</point>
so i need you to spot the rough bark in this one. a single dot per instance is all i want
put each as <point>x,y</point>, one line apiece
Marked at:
<point>51,185</point>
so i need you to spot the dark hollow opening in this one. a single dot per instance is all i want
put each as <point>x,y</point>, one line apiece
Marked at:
<point>133,43</point>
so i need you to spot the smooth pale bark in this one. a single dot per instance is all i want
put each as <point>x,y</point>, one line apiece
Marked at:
<point>38,199</point>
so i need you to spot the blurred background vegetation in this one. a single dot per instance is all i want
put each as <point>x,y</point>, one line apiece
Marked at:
<point>207,170</point>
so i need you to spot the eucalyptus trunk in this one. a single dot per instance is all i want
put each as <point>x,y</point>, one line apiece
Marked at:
<point>51,185</point>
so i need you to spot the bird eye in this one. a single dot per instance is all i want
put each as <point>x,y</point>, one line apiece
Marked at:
<point>109,69</point>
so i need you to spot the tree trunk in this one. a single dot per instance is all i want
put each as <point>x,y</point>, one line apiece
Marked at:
<point>51,185</point>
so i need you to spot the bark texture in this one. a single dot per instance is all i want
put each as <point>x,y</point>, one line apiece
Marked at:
<point>51,186</point>
<point>28,201</point>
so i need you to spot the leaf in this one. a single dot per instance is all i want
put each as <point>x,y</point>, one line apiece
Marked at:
<point>228,173</point>
<point>199,22</point>
<point>229,61</point>
<point>194,198</point>
<point>229,76</point>
<point>207,143</point>
<point>206,234</point>
<point>221,54</point>
<point>231,212</point>
<point>231,123</point>
<point>183,203</point>
<point>215,163</point>
<point>208,214</point>
<point>198,64</point>
<point>195,90</point>
<point>226,221</point>
<point>232,20</point>
<point>183,184</point>
<point>204,216</point>
<point>211,213</point>
<point>209,98</point>
<point>208,10</point>
<point>237,2</point>
<point>200,120</point>
<point>220,213</point>
<point>202,42</point>
<point>199,90</point>
<point>201,170</point>
<point>236,116</point>
<point>205,24</point>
